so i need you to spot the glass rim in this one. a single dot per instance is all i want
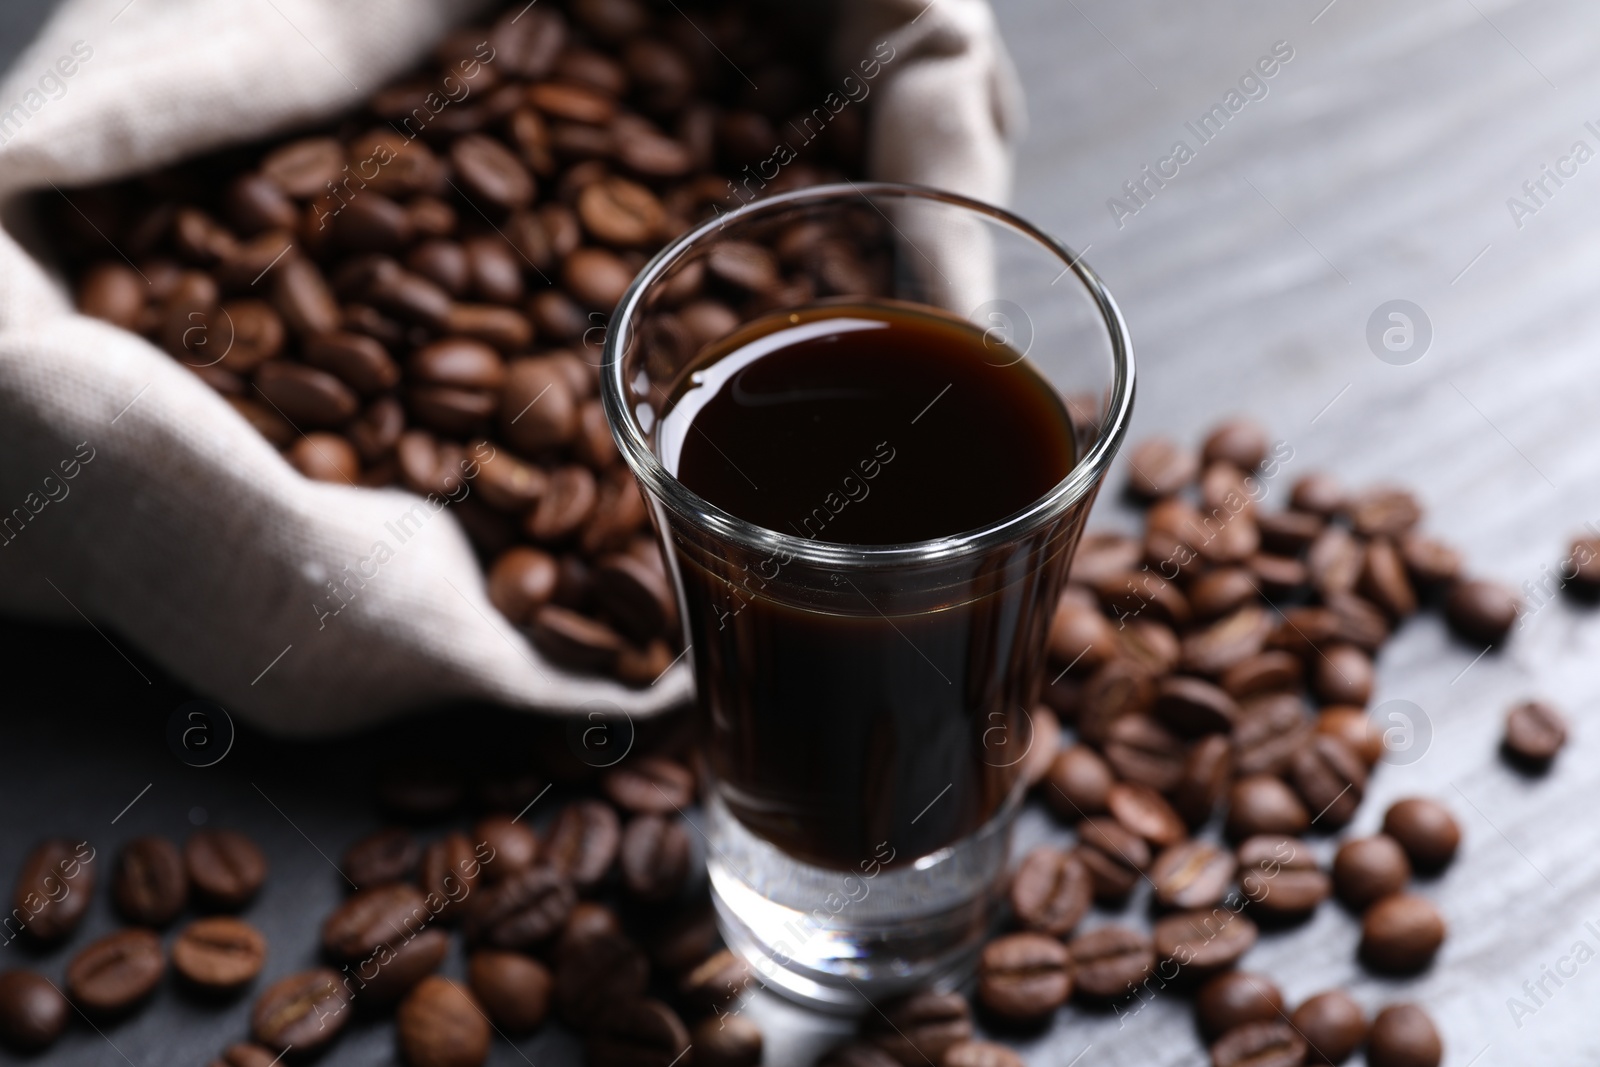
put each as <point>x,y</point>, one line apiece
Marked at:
<point>641,458</point>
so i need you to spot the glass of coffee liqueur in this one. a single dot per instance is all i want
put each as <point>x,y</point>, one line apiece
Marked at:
<point>869,421</point>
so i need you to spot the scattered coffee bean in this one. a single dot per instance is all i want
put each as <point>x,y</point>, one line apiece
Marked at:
<point>1234,998</point>
<point>1271,729</point>
<point>920,1028</point>
<point>582,842</point>
<point>1368,869</point>
<point>857,1054</point>
<point>1158,467</point>
<point>650,785</point>
<point>1263,804</point>
<point>149,885</point>
<point>53,888</point>
<point>1535,732</point>
<point>1343,674</point>
<point>371,918</point>
<point>1051,891</point>
<point>719,980</point>
<point>441,1025</point>
<point>33,1013</point>
<point>1332,1024</point>
<point>450,871</point>
<point>388,855</point>
<point>505,844</point>
<point>1024,977</point>
<point>245,1056</point>
<point>1262,1044</point>
<point>1238,441</point>
<point>1207,774</point>
<point>226,869</point>
<point>730,1041</point>
<point>1354,728</point>
<point>400,965</point>
<point>1403,1036</point>
<point>1193,874</point>
<point>638,1032</point>
<point>1281,879</point>
<point>1147,813</point>
<point>1114,856</point>
<point>654,856</point>
<point>595,975</point>
<point>980,1054</point>
<point>1110,962</point>
<point>1204,942</point>
<point>1401,933</point>
<point>520,911</point>
<point>1078,783</point>
<point>514,989</point>
<point>1482,612</point>
<point>1426,830</point>
<point>116,972</point>
<point>219,954</point>
<point>1330,778</point>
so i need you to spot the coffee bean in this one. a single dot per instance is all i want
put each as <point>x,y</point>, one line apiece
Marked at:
<point>450,871</point>
<point>1113,855</point>
<point>1384,579</point>
<point>1317,494</point>
<point>1277,576</point>
<point>1205,941</point>
<point>728,1041</point>
<point>1237,441</point>
<point>53,888</point>
<point>1368,869</point>
<point>716,982</point>
<point>325,457</point>
<point>33,1013</point>
<point>305,1011</point>
<point>149,886</point>
<point>568,503</point>
<point>1150,644</point>
<point>1535,732</point>
<point>491,173</point>
<point>1141,750</point>
<point>1043,743</point>
<point>1263,804</point>
<point>113,292</point>
<point>1261,1044</point>
<point>388,855</point>
<point>440,1024</point>
<point>1078,783</point>
<point>1385,511</point>
<point>856,1054</point>
<point>595,972</point>
<point>357,360</point>
<point>654,856</point>
<point>219,954</point>
<point>1432,564</point>
<point>1482,612</point>
<point>1050,891</point>
<point>1400,934</point>
<point>1158,467</point>
<point>508,484</point>
<point>303,168</point>
<point>226,869</point>
<point>245,1056</point>
<point>1145,812</point>
<point>514,989</point>
<point>506,845</point>
<point>1332,1025</point>
<point>1403,1036</point>
<point>638,596</point>
<point>1426,830</point>
<point>1282,879</point>
<point>1232,639</point>
<point>920,1028</point>
<point>1117,690</point>
<point>1265,672</point>
<point>1193,874</point>
<point>1330,778</point>
<point>117,971</point>
<point>1109,962</point>
<point>639,1033</point>
<point>1236,998</point>
<point>574,640</point>
<point>1343,675</point>
<point>1270,730</point>
<point>371,918</point>
<point>1023,977</point>
<point>308,397</point>
<point>520,911</point>
<point>1289,533</point>
<point>1357,621</point>
<point>595,278</point>
<point>582,842</point>
<point>1207,774</point>
<point>1354,728</point>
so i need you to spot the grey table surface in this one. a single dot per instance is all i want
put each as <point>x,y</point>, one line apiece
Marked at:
<point>1378,166</point>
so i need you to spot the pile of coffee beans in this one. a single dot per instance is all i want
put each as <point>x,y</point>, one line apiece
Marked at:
<point>416,295</point>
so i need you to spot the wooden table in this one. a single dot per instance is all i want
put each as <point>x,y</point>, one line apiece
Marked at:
<point>1376,167</point>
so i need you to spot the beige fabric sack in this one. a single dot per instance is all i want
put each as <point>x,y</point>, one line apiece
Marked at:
<point>133,497</point>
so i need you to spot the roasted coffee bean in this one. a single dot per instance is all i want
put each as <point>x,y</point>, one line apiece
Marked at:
<point>1317,494</point>
<point>522,581</point>
<point>1270,730</point>
<point>1277,576</point>
<point>514,989</point>
<point>638,1033</point>
<point>728,1041</point>
<point>595,278</point>
<point>1117,690</point>
<point>1151,645</point>
<point>1207,774</point>
<point>219,953</point>
<point>1158,467</point>
<point>303,298</point>
<point>574,640</point>
<point>1354,728</point>
<point>388,855</point>
<point>1193,706</point>
<point>1193,874</point>
<point>520,911</point>
<point>1426,830</point>
<point>149,886</point>
<point>325,457</point>
<point>1330,778</point>
<point>1080,636</point>
<point>1401,933</point>
<point>1343,675</point>
<point>1535,732</point>
<point>1145,812</point>
<point>1263,804</point>
<point>406,960</point>
<point>449,873</point>
<point>1078,783</point>
<point>303,168</point>
<point>1289,533</point>
<point>357,360</point>
<point>1237,441</point>
<point>920,1028</point>
<point>1023,977</point>
<point>420,789</point>
<point>717,981</point>
<point>113,292</point>
<point>33,1013</point>
<point>1236,998</point>
<point>1136,592</point>
<point>1113,855</point>
<point>856,1054</point>
<point>53,888</point>
<point>1110,962</point>
<point>1225,643</point>
<point>654,856</point>
<point>373,917</point>
<point>1141,750</point>
<point>1261,1044</point>
<point>491,173</point>
<point>650,785</point>
<point>440,1024</point>
<point>114,973</point>
<point>638,596</point>
<point>568,502</point>
<point>595,973</point>
<point>1050,891</point>
<point>1281,877</point>
<point>226,869</point>
<point>582,842</point>
<point>245,1056</point>
<point>1204,942</point>
<point>1265,672</point>
<point>510,845</point>
<point>1385,511</point>
<point>1332,1024</point>
<point>1043,743</point>
<point>1403,1036</point>
<point>1482,612</point>
<point>1221,591</point>
<point>506,483</point>
<point>1432,564</point>
<point>1357,621</point>
<point>1368,869</point>
<point>1384,580</point>
<point>307,397</point>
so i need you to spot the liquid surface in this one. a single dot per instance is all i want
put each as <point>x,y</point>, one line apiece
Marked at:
<point>866,424</point>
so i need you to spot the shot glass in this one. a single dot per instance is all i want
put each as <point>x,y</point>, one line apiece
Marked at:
<point>864,709</point>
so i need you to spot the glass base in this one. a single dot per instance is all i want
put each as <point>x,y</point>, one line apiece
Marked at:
<point>839,940</point>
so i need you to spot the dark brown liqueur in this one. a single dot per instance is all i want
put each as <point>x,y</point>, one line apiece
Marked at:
<point>836,728</point>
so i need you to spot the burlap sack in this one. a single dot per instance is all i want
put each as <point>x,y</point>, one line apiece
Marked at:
<point>132,496</point>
